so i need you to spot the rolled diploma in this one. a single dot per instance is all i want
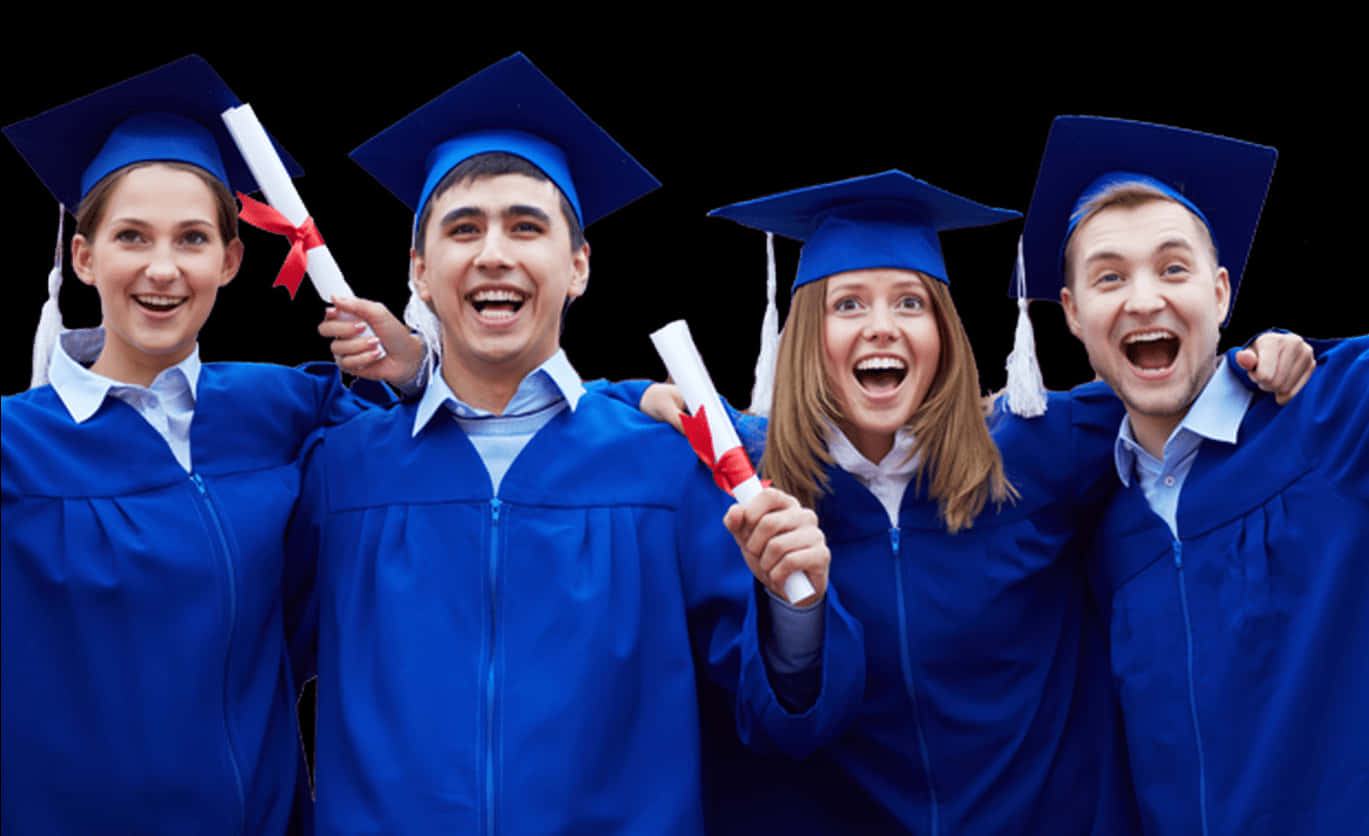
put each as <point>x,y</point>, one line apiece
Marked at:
<point>275,182</point>
<point>681,357</point>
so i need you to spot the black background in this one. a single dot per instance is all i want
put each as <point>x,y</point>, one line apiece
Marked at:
<point>720,116</point>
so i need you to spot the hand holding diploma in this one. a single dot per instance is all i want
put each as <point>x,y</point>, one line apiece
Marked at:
<point>782,544</point>
<point>779,538</point>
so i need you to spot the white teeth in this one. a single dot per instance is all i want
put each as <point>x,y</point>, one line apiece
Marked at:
<point>1148,336</point>
<point>871,364</point>
<point>160,300</point>
<point>497,295</point>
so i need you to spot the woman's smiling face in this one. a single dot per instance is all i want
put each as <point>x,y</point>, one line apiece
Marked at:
<point>881,352</point>
<point>157,257</point>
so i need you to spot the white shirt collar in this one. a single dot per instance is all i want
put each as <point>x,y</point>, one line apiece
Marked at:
<point>888,479</point>
<point>553,380</point>
<point>1216,415</point>
<point>82,390</point>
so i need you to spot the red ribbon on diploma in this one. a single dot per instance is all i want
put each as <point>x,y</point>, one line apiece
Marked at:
<point>731,468</point>
<point>303,238</point>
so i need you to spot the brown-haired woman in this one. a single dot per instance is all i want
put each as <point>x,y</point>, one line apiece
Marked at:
<point>987,704</point>
<point>147,597</point>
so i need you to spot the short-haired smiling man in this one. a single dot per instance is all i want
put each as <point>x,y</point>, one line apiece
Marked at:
<point>1233,566</point>
<point>519,575</point>
<point>499,296</point>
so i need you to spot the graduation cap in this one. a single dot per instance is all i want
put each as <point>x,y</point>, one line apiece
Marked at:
<point>511,107</point>
<point>888,220</point>
<point>168,114</point>
<point>1222,181</point>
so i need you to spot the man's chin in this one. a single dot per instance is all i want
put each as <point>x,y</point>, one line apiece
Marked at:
<point>1158,403</point>
<point>1150,399</point>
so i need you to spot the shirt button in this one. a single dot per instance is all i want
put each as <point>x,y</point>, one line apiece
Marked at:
<point>1169,481</point>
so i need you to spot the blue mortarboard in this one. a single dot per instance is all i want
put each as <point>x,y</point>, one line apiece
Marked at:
<point>509,106</point>
<point>1223,181</point>
<point>170,113</point>
<point>886,220</point>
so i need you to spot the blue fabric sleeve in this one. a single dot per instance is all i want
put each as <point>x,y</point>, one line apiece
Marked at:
<point>302,544</point>
<point>725,622</point>
<point>765,723</point>
<point>629,392</point>
<point>1335,431</point>
<point>336,404</point>
<point>791,638</point>
<point>792,650</point>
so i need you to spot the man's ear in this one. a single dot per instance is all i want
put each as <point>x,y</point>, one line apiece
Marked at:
<point>579,279</point>
<point>1223,293</point>
<point>1071,312</point>
<point>418,269</point>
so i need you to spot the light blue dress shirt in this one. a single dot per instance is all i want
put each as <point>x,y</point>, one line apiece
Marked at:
<point>541,396</point>
<point>1215,416</point>
<point>168,404</point>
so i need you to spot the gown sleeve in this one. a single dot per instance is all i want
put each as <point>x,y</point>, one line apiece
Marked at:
<point>727,620</point>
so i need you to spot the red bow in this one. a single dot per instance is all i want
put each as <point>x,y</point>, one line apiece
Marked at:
<point>731,468</point>
<point>302,239</point>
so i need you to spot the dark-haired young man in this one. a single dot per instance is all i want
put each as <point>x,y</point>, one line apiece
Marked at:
<point>519,575</point>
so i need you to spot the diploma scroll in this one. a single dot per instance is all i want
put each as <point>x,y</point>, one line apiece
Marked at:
<point>676,347</point>
<point>279,188</point>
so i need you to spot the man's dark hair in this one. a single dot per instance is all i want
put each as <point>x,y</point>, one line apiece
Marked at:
<point>494,164</point>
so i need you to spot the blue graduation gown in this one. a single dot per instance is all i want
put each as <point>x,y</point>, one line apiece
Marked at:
<point>987,707</point>
<point>146,687</point>
<point>525,663</point>
<point>1241,649</point>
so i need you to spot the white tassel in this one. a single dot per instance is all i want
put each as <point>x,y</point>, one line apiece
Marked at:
<point>763,389</point>
<point>50,325</point>
<point>419,317</point>
<point>1025,390</point>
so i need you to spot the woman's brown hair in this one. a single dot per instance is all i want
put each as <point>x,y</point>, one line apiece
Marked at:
<point>960,461</point>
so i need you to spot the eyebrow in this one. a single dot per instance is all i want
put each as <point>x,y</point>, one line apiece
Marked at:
<point>1175,244</point>
<point>531,211</point>
<point>138,221</point>
<point>1111,255</point>
<point>517,210</point>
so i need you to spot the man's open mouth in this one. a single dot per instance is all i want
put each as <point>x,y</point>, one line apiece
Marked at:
<point>1151,350</point>
<point>497,303</point>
